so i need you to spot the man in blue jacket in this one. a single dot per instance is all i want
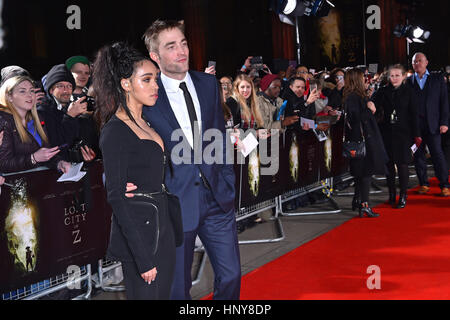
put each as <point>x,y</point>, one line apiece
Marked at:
<point>432,96</point>
<point>189,104</point>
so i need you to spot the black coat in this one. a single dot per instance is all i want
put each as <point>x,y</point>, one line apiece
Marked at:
<point>360,121</point>
<point>398,137</point>
<point>296,103</point>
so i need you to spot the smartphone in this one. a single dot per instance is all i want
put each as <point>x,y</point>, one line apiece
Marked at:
<point>65,145</point>
<point>211,63</point>
<point>237,126</point>
<point>312,87</point>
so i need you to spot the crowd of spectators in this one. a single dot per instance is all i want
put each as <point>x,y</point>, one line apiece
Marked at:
<point>55,119</point>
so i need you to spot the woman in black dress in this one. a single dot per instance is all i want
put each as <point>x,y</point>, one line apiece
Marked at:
<point>398,120</point>
<point>361,123</point>
<point>142,235</point>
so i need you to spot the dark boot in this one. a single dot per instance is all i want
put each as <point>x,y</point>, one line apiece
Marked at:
<point>364,209</point>
<point>402,201</point>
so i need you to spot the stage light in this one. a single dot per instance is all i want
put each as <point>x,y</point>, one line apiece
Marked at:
<point>297,8</point>
<point>411,33</point>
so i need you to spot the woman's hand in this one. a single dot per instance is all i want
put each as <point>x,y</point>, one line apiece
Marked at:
<point>1,138</point>
<point>130,187</point>
<point>263,133</point>
<point>64,166</point>
<point>150,275</point>
<point>87,153</point>
<point>2,180</point>
<point>371,106</point>
<point>45,154</point>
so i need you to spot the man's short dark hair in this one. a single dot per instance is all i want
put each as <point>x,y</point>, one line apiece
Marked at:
<point>152,33</point>
<point>293,79</point>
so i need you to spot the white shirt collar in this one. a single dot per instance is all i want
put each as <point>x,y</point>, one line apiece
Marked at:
<point>173,85</point>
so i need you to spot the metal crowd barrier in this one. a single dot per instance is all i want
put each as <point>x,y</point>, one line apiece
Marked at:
<point>104,266</point>
<point>54,284</point>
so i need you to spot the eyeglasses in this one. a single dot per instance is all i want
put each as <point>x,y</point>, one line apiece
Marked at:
<point>64,86</point>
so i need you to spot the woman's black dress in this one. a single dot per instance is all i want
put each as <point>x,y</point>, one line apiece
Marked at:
<point>142,235</point>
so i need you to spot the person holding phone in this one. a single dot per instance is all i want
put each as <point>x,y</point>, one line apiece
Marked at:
<point>397,114</point>
<point>24,144</point>
<point>142,234</point>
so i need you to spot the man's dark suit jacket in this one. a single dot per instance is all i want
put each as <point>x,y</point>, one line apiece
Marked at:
<point>436,100</point>
<point>183,180</point>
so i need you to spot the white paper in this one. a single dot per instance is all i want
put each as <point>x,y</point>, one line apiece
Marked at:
<point>249,143</point>
<point>320,135</point>
<point>74,174</point>
<point>414,148</point>
<point>309,122</point>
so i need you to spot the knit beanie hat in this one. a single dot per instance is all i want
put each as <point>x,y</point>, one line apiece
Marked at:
<point>56,74</point>
<point>267,80</point>
<point>12,71</point>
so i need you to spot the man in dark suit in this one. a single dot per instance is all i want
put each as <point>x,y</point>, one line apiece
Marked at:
<point>433,121</point>
<point>188,105</point>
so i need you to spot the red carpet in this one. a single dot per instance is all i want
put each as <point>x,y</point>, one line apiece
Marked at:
<point>410,246</point>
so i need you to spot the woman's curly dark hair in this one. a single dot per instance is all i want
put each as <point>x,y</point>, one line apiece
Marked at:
<point>112,64</point>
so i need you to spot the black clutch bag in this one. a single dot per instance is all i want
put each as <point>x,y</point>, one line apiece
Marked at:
<point>174,210</point>
<point>354,149</point>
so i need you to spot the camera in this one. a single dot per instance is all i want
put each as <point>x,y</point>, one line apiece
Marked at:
<point>90,103</point>
<point>75,154</point>
<point>257,63</point>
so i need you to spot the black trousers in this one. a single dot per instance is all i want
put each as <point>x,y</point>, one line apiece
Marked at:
<point>433,141</point>
<point>362,188</point>
<point>403,177</point>
<point>446,147</point>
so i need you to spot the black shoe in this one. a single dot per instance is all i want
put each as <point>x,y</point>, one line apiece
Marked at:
<point>356,203</point>
<point>401,201</point>
<point>366,210</point>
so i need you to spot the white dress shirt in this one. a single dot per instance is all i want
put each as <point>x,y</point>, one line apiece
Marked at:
<point>178,103</point>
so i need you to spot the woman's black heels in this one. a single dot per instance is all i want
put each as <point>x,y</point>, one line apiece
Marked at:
<point>402,201</point>
<point>364,209</point>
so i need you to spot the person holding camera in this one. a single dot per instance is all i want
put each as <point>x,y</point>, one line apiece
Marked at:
<point>60,115</point>
<point>24,142</point>
<point>361,127</point>
<point>396,112</point>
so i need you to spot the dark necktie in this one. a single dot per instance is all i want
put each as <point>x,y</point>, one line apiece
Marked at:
<point>191,109</point>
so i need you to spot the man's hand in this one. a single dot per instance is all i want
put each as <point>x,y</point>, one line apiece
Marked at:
<point>247,64</point>
<point>64,166</point>
<point>87,153</point>
<point>77,107</point>
<point>150,275</point>
<point>130,187</point>
<point>289,120</point>
<point>211,70</point>
<point>443,129</point>
<point>313,96</point>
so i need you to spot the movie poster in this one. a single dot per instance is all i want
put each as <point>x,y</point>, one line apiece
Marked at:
<point>341,38</point>
<point>46,226</point>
